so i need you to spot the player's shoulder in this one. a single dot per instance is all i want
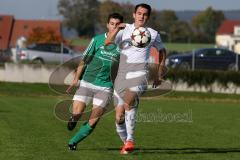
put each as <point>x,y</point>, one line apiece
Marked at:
<point>152,31</point>
<point>124,31</point>
<point>128,26</point>
<point>99,36</point>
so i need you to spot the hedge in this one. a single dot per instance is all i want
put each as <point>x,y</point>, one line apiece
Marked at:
<point>204,77</point>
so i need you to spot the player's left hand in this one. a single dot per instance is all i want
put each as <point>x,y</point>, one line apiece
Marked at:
<point>156,83</point>
<point>121,26</point>
<point>158,80</point>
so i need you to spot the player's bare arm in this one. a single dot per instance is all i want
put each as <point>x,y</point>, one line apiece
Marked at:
<point>76,76</point>
<point>111,35</point>
<point>160,68</point>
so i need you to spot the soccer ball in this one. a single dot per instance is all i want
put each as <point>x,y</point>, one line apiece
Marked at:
<point>140,37</point>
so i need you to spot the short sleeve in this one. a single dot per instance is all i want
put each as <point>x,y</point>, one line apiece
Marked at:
<point>158,44</point>
<point>89,52</point>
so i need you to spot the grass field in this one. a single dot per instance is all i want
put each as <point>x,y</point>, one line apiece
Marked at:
<point>180,47</point>
<point>29,129</point>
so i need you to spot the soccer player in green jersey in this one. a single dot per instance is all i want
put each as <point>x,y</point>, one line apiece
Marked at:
<point>96,84</point>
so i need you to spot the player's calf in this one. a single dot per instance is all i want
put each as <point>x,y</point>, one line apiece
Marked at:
<point>72,122</point>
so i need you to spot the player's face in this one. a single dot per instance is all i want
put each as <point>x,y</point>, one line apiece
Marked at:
<point>140,17</point>
<point>112,24</point>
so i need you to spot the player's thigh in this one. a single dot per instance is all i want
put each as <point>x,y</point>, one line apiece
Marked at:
<point>131,96</point>
<point>78,107</point>
<point>118,97</point>
<point>134,92</point>
<point>122,96</point>
<point>102,98</point>
<point>84,93</point>
<point>120,86</point>
<point>119,91</point>
<point>81,98</point>
<point>132,87</point>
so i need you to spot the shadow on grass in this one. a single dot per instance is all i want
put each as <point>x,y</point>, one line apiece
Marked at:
<point>170,150</point>
<point>5,111</point>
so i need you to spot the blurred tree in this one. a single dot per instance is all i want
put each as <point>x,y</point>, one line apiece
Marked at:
<point>43,35</point>
<point>207,22</point>
<point>127,11</point>
<point>199,37</point>
<point>180,32</point>
<point>155,20</point>
<point>163,21</point>
<point>81,15</point>
<point>168,17</point>
<point>107,7</point>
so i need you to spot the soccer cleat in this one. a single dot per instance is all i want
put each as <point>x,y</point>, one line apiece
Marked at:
<point>72,147</point>
<point>123,151</point>
<point>72,122</point>
<point>129,146</point>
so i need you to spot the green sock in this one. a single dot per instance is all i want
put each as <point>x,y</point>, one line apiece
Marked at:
<point>83,132</point>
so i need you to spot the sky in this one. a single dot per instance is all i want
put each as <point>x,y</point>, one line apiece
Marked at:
<point>47,9</point>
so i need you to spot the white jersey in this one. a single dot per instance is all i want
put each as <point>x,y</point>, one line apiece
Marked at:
<point>132,72</point>
<point>134,54</point>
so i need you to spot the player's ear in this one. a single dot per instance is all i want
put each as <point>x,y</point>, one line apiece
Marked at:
<point>134,15</point>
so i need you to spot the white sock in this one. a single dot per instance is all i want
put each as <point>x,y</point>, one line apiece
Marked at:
<point>122,132</point>
<point>130,118</point>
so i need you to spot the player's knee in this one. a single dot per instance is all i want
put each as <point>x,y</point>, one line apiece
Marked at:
<point>78,107</point>
<point>127,106</point>
<point>120,119</point>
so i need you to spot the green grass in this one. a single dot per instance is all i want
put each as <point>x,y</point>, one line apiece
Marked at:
<point>180,47</point>
<point>80,42</point>
<point>25,89</point>
<point>29,129</point>
<point>40,89</point>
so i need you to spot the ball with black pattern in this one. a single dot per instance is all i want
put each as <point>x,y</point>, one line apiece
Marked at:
<point>140,37</point>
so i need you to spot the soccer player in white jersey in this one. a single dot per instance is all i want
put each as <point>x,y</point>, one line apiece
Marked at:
<point>131,80</point>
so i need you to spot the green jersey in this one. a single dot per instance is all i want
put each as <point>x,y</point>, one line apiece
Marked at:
<point>100,62</point>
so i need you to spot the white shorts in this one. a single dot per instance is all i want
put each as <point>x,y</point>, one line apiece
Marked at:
<point>133,81</point>
<point>101,96</point>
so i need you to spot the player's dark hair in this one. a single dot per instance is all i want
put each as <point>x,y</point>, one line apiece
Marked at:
<point>143,5</point>
<point>115,16</point>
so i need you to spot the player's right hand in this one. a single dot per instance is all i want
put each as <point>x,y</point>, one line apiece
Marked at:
<point>121,26</point>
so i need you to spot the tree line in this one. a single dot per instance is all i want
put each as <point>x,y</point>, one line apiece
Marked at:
<point>89,17</point>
